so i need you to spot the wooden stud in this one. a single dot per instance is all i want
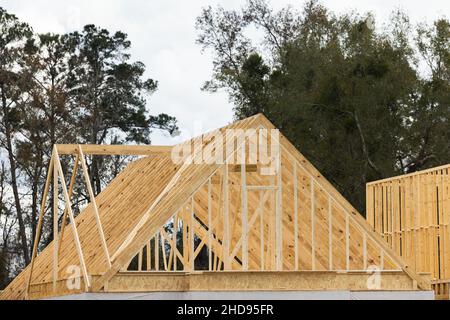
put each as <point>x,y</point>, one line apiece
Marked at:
<point>347,242</point>
<point>185,240</point>
<point>173,247</point>
<point>40,221</point>
<point>64,216</point>
<point>226,222</point>
<point>191,237</point>
<point>156,242</point>
<point>72,221</point>
<point>278,218</point>
<point>95,208</point>
<point>244,217</point>
<point>140,260</point>
<point>163,250</point>
<point>313,226</point>
<point>261,229</point>
<point>209,226</point>
<point>364,251</point>
<point>55,225</point>
<point>296,225</point>
<point>148,257</point>
<point>330,234</point>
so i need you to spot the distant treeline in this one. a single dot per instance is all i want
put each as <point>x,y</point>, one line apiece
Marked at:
<point>362,101</point>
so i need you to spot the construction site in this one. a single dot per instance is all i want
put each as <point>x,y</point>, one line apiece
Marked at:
<point>240,230</point>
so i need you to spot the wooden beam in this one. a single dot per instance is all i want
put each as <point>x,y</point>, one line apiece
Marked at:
<point>172,243</point>
<point>261,228</point>
<point>271,240</point>
<point>347,241</point>
<point>330,234</point>
<point>422,172</point>
<point>71,186</point>
<point>191,236</point>
<point>244,217</point>
<point>364,251</point>
<point>107,150</point>
<point>226,222</point>
<point>163,250</point>
<point>55,224</point>
<point>209,226</point>
<point>296,225</point>
<point>313,226</point>
<point>140,260</point>
<point>72,220</point>
<point>279,219</point>
<point>149,257</point>
<point>40,221</point>
<point>95,208</point>
<point>185,240</point>
<point>156,243</point>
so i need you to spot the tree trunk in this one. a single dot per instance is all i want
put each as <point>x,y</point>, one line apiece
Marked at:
<point>12,167</point>
<point>34,205</point>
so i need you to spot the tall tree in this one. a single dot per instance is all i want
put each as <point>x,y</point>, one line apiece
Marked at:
<point>48,117</point>
<point>72,88</point>
<point>349,97</point>
<point>13,83</point>
<point>110,92</point>
<point>7,224</point>
<point>427,142</point>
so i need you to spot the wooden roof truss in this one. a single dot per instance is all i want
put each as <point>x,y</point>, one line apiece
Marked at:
<point>160,216</point>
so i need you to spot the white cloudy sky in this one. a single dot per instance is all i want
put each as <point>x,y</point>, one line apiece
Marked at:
<point>163,37</point>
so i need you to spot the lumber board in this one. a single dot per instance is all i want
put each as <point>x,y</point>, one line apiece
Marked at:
<point>108,150</point>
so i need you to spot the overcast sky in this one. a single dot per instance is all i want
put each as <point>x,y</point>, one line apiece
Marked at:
<point>163,36</point>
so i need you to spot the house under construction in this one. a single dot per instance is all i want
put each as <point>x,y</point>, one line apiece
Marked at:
<point>412,213</point>
<point>172,229</point>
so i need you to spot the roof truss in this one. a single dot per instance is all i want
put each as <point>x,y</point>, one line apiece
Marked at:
<point>291,220</point>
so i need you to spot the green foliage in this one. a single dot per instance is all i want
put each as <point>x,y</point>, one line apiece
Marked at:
<point>80,87</point>
<point>350,97</point>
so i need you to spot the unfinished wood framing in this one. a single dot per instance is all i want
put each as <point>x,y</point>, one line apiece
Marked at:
<point>411,212</point>
<point>220,217</point>
<point>108,150</point>
<point>55,228</point>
